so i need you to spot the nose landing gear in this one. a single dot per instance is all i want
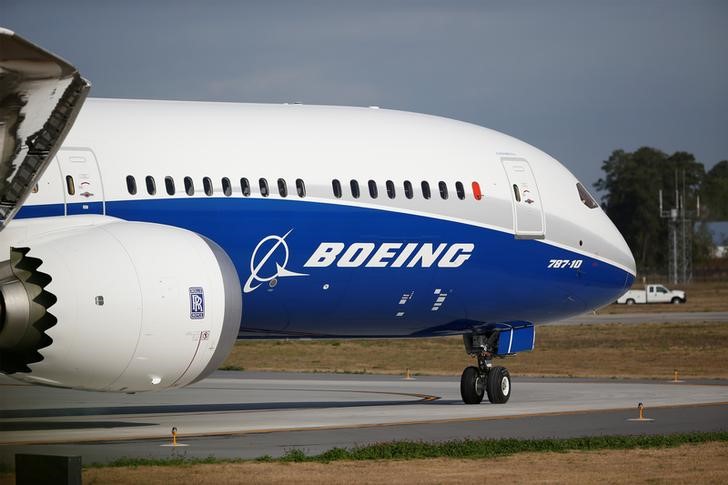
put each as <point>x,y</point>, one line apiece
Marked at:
<point>476,382</point>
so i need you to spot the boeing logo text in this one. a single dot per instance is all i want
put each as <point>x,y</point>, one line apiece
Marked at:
<point>390,255</point>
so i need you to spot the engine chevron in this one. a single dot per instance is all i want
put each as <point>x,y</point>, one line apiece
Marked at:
<point>24,315</point>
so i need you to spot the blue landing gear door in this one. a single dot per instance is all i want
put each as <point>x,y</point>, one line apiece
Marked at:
<point>516,337</point>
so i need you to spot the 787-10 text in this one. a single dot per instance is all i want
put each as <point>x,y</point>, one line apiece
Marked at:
<point>564,263</point>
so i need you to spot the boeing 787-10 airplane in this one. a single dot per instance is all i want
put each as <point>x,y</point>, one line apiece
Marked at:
<point>141,238</point>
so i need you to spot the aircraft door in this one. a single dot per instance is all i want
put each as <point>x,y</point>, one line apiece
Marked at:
<point>528,219</point>
<point>83,190</point>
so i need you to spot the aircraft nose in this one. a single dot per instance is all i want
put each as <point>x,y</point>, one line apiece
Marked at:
<point>622,253</point>
<point>628,256</point>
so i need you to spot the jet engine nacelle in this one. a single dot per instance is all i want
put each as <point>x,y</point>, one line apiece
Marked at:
<point>120,307</point>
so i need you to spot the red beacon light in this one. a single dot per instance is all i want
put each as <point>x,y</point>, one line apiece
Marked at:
<point>476,191</point>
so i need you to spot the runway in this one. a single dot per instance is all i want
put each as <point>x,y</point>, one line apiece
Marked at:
<point>637,318</point>
<point>245,414</point>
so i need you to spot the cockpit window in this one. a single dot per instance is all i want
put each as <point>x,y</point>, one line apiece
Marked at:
<point>586,197</point>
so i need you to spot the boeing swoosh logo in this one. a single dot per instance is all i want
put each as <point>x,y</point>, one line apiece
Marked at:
<point>280,246</point>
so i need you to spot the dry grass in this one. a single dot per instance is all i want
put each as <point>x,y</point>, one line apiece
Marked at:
<point>628,351</point>
<point>705,463</point>
<point>650,351</point>
<point>702,297</point>
<point>614,350</point>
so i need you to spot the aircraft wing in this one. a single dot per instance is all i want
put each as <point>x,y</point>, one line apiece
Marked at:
<point>40,96</point>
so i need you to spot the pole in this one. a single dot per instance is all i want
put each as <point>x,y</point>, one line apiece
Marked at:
<point>674,253</point>
<point>674,234</point>
<point>682,240</point>
<point>660,202</point>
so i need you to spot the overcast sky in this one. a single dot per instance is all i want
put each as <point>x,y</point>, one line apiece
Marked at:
<point>574,78</point>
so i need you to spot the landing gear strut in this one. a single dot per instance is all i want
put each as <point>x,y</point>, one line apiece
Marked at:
<point>475,382</point>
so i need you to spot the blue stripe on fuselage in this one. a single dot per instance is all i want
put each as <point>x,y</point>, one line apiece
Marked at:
<point>505,279</point>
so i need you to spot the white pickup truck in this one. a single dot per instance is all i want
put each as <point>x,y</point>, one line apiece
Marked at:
<point>653,294</point>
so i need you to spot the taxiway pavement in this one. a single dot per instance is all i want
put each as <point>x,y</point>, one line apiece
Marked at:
<point>248,415</point>
<point>637,318</point>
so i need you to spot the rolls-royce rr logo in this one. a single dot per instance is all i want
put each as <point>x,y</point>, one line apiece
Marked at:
<point>197,303</point>
<point>277,250</point>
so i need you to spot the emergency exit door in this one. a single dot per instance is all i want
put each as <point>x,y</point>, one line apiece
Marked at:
<point>83,190</point>
<point>528,219</point>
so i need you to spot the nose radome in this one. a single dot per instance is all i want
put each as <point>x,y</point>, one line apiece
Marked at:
<point>629,257</point>
<point>623,254</point>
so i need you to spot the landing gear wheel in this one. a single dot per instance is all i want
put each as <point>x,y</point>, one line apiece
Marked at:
<point>498,385</point>
<point>472,385</point>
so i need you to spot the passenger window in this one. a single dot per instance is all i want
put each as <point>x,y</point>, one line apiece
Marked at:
<point>300,188</point>
<point>207,185</point>
<point>477,193</point>
<point>227,189</point>
<point>460,190</point>
<point>426,189</point>
<point>586,197</point>
<point>189,186</point>
<point>443,189</point>
<point>336,186</point>
<point>169,185</point>
<point>282,188</point>
<point>245,187</point>
<point>373,190</point>
<point>517,193</point>
<point>408,192</point>
<point>263,183</point>
<point>70,186</point>
<point>131,184</point>
<point>391,193</point>
<point>151,185</point>
<point>354,188</point>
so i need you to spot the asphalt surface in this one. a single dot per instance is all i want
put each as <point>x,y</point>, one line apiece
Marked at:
<point>636,318</point>
<point>248,415</point>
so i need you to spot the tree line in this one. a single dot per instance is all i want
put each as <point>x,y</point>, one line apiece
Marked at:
<point>631,185</point>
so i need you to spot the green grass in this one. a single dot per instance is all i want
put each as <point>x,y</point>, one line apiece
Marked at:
<point>412,450</point>
<point>409,450</point>
<point>485,448</point>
